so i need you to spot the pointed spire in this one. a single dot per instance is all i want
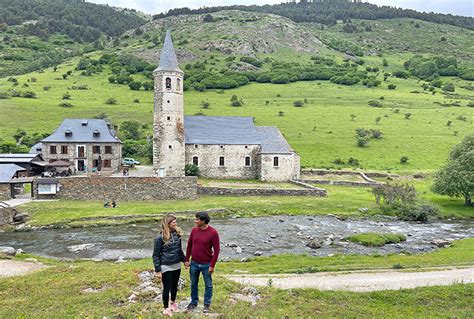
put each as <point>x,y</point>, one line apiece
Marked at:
<point>168,60</point>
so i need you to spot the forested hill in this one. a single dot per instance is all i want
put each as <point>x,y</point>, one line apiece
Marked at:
<point>329,11</point>
<point>79,20</point>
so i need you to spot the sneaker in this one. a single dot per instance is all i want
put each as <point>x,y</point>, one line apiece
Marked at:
<point>206,309</point>
<point>174,307</point>
<point>168,312</point>
<point>190,307</point>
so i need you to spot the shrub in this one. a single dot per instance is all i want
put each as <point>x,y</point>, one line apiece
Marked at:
<point>205,104</point>
<point>191,170</point>
<point>338,161</point>
<point>281,79</point>
<point>353,116</point>
<point>65,104</point>
<point>29,95</point>
<point>448,87</point>
<point>407,116</point>
<point>46,88</point>
<point>362,141</point>
<point>148,85</point>
<point>135,85</point>
<point>112,79</point>
<point>377,134</point>
<point>420,213</point>
<point>375,103</point>
<point>298,103</point>
<point>353,161</point>
<point>4,96</point>
<point>136,101</point>
<point>66,96</point>
<point>236,103</point>
<point>392,86</point>
<point>401,74</point>
<point>377,119</point>
<point>281,113</point>
<point>403,159</point>
<point>111,100</point>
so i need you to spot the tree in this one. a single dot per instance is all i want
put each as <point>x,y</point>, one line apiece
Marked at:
<point>456,178</point>
<point>130,130</point>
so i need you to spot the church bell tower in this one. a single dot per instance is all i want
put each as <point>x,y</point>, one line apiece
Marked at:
<point>168,119</point>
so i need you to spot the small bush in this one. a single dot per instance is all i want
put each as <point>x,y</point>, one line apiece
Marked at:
<point>374,103</point>
<point>111,101</point>
<point>191,170</point>
<point>4,96</point>
<point>338,161</point>
<point>236,103</point>
<point>135,85</point>
<point>281,113</point>
<point>205,104</point>
<point>46,88</point>
<point>419,213</point>
<point>136,101</point>
<point>376,133</point>
<point>66,96</point>
<point>29,95</point>
<point>448,87</point>
<point>392,86</point>
<point>407,116</point>
<point>112,79</point>
<point>298,103</point>
<point>353,161</point>
<point>65,104</point>
<point>404,159</point>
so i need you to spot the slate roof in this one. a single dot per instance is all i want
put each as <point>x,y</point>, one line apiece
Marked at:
<point>19,158</point>
<point>7,171</point>
<point>82,133</point>
<point>230,130</point>
<point>168,60</point>
<point>37,148</point>
<point>272,141</point>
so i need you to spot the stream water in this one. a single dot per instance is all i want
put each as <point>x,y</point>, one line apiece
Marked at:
<point>241,237</point>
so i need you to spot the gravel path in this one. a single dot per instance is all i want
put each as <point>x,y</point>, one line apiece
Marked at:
<point>10,268</point>
<point>360,281</point>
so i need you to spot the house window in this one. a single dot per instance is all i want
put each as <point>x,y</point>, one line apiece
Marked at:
<point>195,160</point>
<point>222,146</point>
<point>108,149</point>
<point>96,149</point>
<point>168,118</point>
<point>170,146</point>
<point>95,163</point>
<point>168,83</point>
<point>195,146</point>
<point>178,84</point>
<point>64,149</point>
<point>221,161</point>
<point>276,162</point>
<point>246,146</point>
<point>52,150</point>
<point>107,163</point>
<point>247,161</point>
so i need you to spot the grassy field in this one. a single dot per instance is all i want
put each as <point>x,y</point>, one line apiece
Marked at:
<point>57,292</point>
<point>320,131</point>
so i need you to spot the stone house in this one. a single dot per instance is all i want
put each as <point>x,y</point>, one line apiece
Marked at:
<point>221,146</point>
<point>88,145</point>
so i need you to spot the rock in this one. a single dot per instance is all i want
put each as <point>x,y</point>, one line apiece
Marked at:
<point>314,244</point>
<point>441,242</point>
<point>6,250</point>
<point>78,248</point>
<point>238,250</point>
<point>232,245</point>
<point>120,259</point>
<point>31,259</point>
<point>19,252</point>
<point>20,218</point>
<point>244,260</point>
<point>281,220</point>
<point>363,209</point>
<point>273,236</point>
<point>248,294</point>
<point>258,253</point>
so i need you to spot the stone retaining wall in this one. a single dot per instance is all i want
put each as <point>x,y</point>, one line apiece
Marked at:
<point>321,172</point>
<point>6,215</point>
<point>261,191</point>
<point>124,189</point>
<point>341,183</point>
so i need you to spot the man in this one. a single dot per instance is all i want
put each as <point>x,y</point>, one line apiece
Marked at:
<point>203,248</point>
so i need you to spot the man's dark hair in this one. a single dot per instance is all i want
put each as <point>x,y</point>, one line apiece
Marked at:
<point>203,216</point>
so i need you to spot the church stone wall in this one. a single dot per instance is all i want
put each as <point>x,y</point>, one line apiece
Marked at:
<point>288,167</point>
<point>234,160</point>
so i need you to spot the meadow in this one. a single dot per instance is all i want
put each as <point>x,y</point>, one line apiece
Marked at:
<point>321,131</point>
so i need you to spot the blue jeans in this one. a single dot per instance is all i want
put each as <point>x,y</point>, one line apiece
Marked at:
<point>194,271</point>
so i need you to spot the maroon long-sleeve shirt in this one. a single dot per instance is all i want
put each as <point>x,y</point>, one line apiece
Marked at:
<point>203,246</point>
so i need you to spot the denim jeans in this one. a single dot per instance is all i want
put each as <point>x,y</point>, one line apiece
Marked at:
<point>194,271</point>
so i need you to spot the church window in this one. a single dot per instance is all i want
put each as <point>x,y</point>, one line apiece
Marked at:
<point>168,83</point>
<point>221,161</point>
<point>168,101</point>
<point>168,118</point>
<point>195,160</point>
<point>196,146</point>
<point>276,161</point>
<point>247,161</point>
<point>170,146</point>
<point>178,84</point>
<point>246,146</point>
<point>222,146</point>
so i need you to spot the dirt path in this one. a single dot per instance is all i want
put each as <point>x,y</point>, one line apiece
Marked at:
<point>360,281</point>
<point>10,268</point>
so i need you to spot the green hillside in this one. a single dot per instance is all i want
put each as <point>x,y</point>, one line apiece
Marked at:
<point>421,106</point>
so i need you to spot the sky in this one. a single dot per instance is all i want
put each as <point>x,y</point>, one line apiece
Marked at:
<point>457,7</point>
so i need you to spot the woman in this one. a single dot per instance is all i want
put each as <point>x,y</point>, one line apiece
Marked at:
<point>167,258</point>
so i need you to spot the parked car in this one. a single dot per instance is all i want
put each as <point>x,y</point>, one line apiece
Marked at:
<point>130,161</point>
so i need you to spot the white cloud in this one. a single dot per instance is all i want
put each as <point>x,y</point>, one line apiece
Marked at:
<point>457,7</point>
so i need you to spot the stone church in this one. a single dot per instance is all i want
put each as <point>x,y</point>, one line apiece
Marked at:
<point>221,146</point>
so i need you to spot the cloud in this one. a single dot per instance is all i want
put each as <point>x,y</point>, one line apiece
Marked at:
<point>457,7</point>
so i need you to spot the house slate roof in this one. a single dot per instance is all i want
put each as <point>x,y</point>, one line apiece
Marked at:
<point>82,133</point>
<point>272,141</point>
<point>229,130</point>
<point>168,60</point>
<point>37,148</point>
<point>7,171</point>
<point>19,158</point>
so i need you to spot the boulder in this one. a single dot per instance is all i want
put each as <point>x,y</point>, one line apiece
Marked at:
<point>314,244</point>
<point>258,253</point>
<point>20,218</point>
<point>441,242</point>
<point>9,251</point>
<point>78,248</point>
